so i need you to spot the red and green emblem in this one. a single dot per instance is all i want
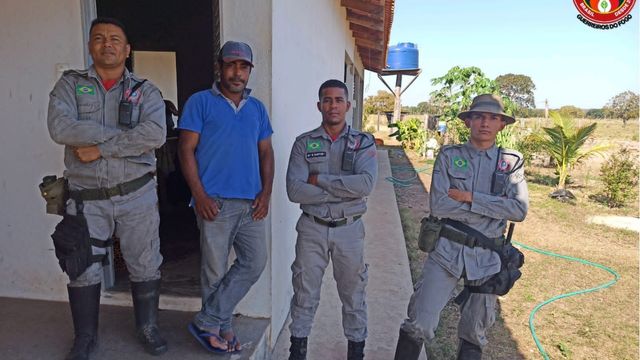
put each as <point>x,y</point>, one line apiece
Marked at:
<point>604,11</point>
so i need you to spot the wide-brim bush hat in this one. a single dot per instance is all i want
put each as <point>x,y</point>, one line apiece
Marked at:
<point>488,103</point>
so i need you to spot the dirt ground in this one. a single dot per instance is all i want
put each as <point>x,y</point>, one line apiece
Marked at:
<point>602,325</point>
<point>413,205</point>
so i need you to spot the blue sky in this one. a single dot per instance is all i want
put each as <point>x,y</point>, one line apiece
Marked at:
<point>569,62</point>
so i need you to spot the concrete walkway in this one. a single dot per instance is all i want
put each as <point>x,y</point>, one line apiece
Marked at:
<point>42,330</point>
<point>388,290</point>
<point>33,329</point>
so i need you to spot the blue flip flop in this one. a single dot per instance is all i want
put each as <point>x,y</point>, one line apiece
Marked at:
<point>203,338</point>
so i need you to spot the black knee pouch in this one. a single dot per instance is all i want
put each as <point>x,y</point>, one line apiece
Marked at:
<point>72,244</point>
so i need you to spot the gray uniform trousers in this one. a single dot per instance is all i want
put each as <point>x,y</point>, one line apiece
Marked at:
<point>315,245</point>
<point>134,219</point>
<point>433,291</point>
<point>224,287</point>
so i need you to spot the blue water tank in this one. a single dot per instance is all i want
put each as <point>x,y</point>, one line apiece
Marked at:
<point>402,56</point>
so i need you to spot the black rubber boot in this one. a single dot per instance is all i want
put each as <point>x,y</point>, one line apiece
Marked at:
<point>85,305</point>
<point>298,349</point>
<point>407,348</point>
<point>469,351</point>
<point>355,350</point>
<point>146,296</point>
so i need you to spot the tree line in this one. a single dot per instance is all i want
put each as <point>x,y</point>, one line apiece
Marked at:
<point>459,85</point>
<point>562,143</point>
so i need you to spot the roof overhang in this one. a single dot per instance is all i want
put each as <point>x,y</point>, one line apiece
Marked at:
<point>370,22</point>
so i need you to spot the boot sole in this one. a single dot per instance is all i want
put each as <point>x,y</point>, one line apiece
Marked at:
<point>157,351</point>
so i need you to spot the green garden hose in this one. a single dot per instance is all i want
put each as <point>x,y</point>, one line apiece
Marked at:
<point>561,296</point>
<point>409,181</point>
<point>405,182</point>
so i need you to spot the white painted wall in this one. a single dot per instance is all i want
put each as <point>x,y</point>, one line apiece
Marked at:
<point>34,37</point>
<point>309,42</point>
<point>250,22</point>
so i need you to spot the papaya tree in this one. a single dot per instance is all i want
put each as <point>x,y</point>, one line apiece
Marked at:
<point>458,87</point>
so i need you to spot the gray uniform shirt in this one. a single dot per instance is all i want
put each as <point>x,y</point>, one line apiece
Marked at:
<point>83,113</point>
<point>339,193</point>
<point>465,168</point>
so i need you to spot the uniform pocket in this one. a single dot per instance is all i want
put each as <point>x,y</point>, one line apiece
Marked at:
<point>487,261</point>
<point>88,111</point>
<point>318,162</point>
<point>302,296</point>
<point>460,178</point>
<point>447,250</point>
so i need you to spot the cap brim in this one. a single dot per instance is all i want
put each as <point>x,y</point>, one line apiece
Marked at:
<point>234,58</point>
<point>508,119</point>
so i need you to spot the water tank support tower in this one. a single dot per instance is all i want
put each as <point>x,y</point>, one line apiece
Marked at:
<point>402,60</point>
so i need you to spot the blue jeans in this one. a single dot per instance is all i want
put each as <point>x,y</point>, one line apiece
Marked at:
<point>222,290</point>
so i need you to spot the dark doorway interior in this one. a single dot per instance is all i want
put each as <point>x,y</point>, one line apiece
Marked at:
<point>192,33</point>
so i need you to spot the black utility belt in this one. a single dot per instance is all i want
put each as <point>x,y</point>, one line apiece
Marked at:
<point>470,240</point>
<point>334,223</point>
<point>467,236</point>
<point>107,193</point>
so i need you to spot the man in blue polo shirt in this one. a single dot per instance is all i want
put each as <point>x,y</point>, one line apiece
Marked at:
<point>227,160</point>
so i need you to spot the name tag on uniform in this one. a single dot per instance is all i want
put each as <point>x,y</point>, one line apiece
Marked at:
<point>316,154</point>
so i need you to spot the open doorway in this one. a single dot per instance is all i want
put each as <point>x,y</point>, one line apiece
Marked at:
<point>174,45</point>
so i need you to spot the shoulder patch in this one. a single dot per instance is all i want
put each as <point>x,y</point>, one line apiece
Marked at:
<point>512,157</point>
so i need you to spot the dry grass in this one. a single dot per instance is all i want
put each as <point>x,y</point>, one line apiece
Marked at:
<point>599,325</point>
<point>607,129</point>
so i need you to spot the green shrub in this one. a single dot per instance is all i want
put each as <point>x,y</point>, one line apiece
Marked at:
<point>619,176</point>
<point>458,131</point>
<point>411,133</point>
<point>530,145</point>
<point>508,137</point>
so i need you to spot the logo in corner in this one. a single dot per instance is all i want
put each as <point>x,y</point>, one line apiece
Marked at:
<point>604,14</point>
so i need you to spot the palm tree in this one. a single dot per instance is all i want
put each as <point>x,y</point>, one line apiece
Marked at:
<point>564,145</point>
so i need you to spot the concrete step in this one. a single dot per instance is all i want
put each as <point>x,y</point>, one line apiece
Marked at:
<point>35,329</point>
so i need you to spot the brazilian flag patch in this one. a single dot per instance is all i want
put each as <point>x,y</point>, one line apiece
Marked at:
<point>460,163</point>
<point>85,90</point>
<point>314,145</point>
